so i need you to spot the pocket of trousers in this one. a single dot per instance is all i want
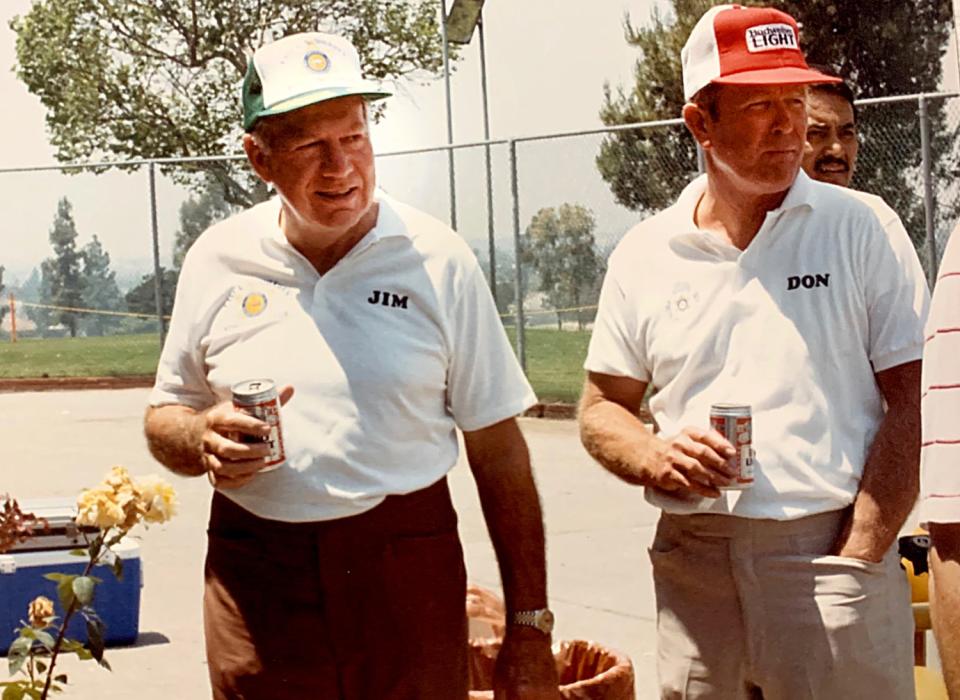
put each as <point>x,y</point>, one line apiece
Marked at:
<point>849,564</point>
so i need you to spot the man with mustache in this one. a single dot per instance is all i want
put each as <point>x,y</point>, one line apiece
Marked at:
<point>830,154</point>
<point>339,574</point>
<point>762,287</point>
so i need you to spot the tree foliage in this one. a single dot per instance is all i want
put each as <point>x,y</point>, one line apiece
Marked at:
<point>890,48</point>
<point>560,247</point>
<point>62,280</point>
<point>4,307</point>
<point>33,290</point>
<point>142,298</point>
<point>100,289</point>
<point>197,214</point>
<point>129,79</point>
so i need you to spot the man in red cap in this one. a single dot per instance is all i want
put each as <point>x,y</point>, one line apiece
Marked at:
<point>800,304</point>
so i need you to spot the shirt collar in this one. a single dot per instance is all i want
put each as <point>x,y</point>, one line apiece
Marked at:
<point>389,223</point>
<point>801,194</point>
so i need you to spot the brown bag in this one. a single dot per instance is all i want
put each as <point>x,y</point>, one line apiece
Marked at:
<point>587,670</point>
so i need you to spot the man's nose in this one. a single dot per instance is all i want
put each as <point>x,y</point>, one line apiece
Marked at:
<point>834,147</point>
<point>334,161</point>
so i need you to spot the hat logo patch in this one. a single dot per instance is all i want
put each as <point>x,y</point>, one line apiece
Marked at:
<point>771,37</point>
<point>317,61</point>
<point>254,304</point>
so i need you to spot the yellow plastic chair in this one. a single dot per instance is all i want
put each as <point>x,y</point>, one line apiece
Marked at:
<point>928,682</point>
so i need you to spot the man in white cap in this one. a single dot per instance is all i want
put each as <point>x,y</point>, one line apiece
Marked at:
<point>340,574</point>
<point>763,288</point>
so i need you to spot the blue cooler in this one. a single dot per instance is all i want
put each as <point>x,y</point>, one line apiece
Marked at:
<point>22,572</point>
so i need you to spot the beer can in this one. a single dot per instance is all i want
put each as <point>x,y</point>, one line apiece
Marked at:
<point>259,398</point>
<point>735,423</point>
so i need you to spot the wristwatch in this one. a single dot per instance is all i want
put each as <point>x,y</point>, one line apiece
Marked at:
<point>541,619</point>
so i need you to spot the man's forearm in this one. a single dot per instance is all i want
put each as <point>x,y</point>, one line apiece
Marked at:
<point>174,436</point>
<point>514,519</point>
<point>511,508</point>
<point>888,488</point>
<point>617,439</point>
<point>945,599</point>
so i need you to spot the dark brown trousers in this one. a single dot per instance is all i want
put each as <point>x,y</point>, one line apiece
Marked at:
<point>369,607</point>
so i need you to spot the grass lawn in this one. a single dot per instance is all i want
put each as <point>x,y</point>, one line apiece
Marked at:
<point>554,359</point>
<point>555,362</point>
<point>106,356</point>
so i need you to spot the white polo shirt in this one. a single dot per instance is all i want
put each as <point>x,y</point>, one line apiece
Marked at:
<point>828,293</point>
<point>940,455</point>
<point>389,352</point>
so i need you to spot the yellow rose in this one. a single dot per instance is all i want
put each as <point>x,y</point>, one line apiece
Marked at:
<point>158,499</point>
<point>40,612</point>
<point>98,507</point>
<point>122,503</point>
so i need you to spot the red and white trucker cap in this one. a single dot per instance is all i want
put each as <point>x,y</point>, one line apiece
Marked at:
<point>736,45</point>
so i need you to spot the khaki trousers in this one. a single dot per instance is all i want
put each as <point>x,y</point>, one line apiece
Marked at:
<point>370,607</point>
<point>759,609</point>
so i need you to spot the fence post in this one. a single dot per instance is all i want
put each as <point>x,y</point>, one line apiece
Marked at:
<point>446,81</point>
<point>157,271</point>
<point>491,236</point>
<point>518,258</point>
<point>928,205</point>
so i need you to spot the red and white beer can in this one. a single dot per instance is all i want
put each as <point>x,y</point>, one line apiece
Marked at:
<point>735,423</point>
<point>259,398</point>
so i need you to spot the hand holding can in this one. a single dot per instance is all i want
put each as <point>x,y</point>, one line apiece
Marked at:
<point>735,423</point>
<point>259,398</point>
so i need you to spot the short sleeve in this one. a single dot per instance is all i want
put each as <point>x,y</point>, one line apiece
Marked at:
<point>940,403</point>
<point>897,298</point>
<point>485,383</point>
<point>181,374</point>
<point>615,346</point>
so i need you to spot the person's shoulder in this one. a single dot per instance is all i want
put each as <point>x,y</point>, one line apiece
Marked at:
<point>225,237</point>
<point>646,239</point>
<point>430,236</point>
<point>844,199</point>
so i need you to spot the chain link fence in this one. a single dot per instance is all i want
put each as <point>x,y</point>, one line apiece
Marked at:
<point>542,213</point>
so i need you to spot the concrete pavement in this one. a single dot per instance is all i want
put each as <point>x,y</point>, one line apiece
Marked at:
<point>57,443</point>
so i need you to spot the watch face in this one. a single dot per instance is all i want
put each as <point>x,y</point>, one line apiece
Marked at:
<point>544,621</point>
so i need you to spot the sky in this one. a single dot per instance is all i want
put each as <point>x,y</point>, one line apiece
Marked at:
<point>547,61</point>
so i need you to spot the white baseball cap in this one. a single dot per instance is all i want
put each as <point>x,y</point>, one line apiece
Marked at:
<point>736,45</point>
<point>301,70</point>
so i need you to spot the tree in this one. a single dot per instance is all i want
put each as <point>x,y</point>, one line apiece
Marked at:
<point>62,283</point>
<point>197,214</point>
<point>561,248</point>
<point>34,290</point>
<point>4,306</point>
<point>100,289</point>
<point>890,48</point>
<point>142,298</point>
<point>159,79</point>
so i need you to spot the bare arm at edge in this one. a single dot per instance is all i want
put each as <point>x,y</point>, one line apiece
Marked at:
<point>945,600</point>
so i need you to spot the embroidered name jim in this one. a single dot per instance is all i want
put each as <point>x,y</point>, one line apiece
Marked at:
<point>388,299</point>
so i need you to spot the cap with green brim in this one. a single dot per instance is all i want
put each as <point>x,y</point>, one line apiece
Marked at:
<point>300,70</point>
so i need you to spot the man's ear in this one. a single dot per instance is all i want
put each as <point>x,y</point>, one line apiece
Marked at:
<point>259,160</point>
<point>696,119</point>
